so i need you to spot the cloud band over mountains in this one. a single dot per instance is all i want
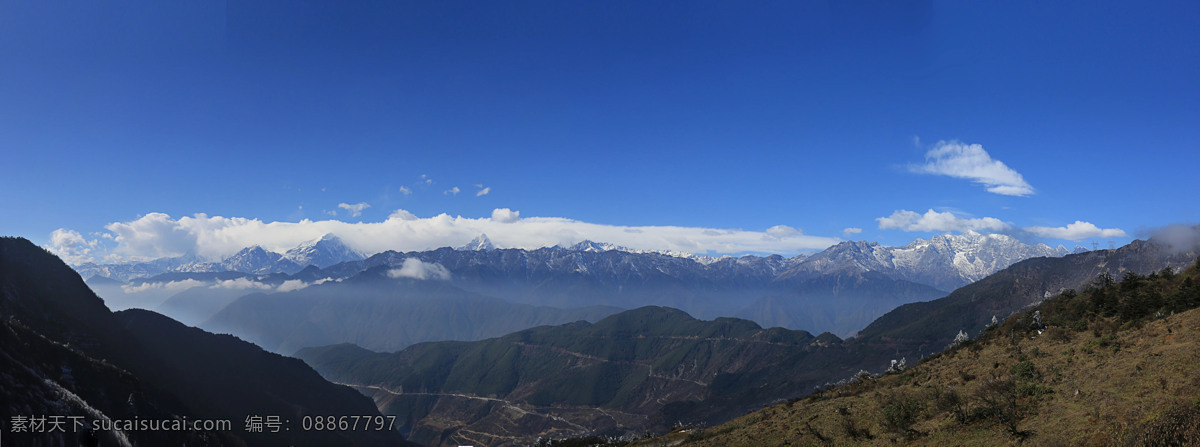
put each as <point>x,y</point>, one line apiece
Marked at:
<point>934,221</point>
<point>158,235</point>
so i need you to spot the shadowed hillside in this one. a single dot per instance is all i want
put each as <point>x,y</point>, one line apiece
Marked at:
<point>64,354</point>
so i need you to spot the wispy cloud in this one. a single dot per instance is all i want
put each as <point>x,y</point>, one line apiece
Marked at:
<point>970,161</point>
<point>355,209</point>
<point>405,190</point>
<point>157,235</point>
<point>170,286</point>
<point>234,284</point>
<point>452,191</point>
<point>1077,231</point>
<point>417,269</point>
<point>484,191</point>
<point>241,283</point>
<point>906,220</point>
<point>851,231</point>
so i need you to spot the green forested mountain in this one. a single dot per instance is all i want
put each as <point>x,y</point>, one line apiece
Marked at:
<point>636,370</point>
<point>919,329</point>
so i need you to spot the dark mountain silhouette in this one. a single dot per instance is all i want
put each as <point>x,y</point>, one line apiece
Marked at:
<point>65,354</point>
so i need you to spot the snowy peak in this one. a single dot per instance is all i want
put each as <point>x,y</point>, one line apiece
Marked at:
<point>324,252</point>
<point>480,243</point>
<point>946,262</point>
<point>257,260</point>
<point>590,246</point>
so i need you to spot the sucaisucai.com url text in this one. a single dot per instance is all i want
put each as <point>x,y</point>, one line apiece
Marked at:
<point>64,424</point>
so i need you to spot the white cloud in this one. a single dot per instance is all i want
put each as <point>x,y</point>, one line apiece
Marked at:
<point>72,247</point>
<point>402,215</point>
<point>172,286</point>
<point>246,283</point>
<point>167,237</point>
<point>934,221</point>
<point>405,190</point>
<point>453,191</point>
<point>970,161</point>
<point>484,191</point>
<point>1076,231</point>
<point>417,269</point>
<point>355,209</point>
<point>292,284</point>
<point>505,215</point>
<point>240,283</point>
<point>1177,237</point>
<point>779,231</point>
<point>214,237</point>
<point>426,180</point>
<point>851,230</point>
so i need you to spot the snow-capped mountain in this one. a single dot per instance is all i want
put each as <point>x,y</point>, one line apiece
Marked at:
<point>946,262</point>
<point>480,242</point>
<point>258,260</point>
<point>846,285</point>
<point>189,262</point>
<point>943,262</point>
<point>323,252</point>
<point>597,247</point>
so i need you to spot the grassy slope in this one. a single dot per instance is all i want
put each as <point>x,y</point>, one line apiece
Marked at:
<point>1105,377</point>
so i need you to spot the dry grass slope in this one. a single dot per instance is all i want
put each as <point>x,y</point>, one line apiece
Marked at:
<point>1101,378</point>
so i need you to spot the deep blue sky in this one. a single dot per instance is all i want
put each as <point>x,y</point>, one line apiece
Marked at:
<point>717,115</point>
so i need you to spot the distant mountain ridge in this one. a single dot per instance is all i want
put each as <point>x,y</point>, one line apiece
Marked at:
<point>840,289</point>
<point>946,262</point>
<point>323,252</point>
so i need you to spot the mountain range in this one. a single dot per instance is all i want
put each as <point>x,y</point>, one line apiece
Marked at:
<point>540,373</point>
<point>839,290</point>
<point>322,252</point>
<point>944,262</point>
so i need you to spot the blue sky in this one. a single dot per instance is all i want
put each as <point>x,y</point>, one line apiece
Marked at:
<point>697,125</point>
